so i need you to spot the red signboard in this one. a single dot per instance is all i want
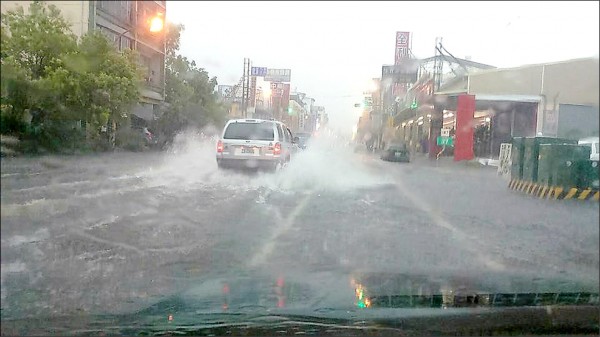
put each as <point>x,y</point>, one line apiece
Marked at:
<point>402,47</point>
<point>463,143</point>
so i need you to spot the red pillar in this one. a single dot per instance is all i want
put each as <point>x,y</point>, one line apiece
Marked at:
<point>463,142</point>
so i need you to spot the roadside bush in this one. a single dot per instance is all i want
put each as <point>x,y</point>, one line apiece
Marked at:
<point>10,123</point>
<point>53,136</point>
<point>130,140</point>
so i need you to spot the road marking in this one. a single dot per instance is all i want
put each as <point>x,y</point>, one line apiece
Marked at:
<point>441,222</point>
<point>261,256</point>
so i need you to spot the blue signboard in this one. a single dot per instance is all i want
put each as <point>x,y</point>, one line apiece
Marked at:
<point>258,71</point>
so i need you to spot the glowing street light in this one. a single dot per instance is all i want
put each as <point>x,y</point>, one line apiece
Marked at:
<point>157,23</point>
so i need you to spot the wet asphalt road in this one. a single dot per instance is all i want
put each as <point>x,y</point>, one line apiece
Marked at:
<point>115,232</point>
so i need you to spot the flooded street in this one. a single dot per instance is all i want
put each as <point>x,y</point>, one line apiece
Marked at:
<point>114,233</point>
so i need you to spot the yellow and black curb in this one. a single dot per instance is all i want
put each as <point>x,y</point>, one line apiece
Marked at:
<point>553,192</point>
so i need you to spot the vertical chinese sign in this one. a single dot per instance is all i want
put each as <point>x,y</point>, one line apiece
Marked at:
<point>402,47</point>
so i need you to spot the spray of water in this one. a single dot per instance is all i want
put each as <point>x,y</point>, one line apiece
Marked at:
<point>329,163</point>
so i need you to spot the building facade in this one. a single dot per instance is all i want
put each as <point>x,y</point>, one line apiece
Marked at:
<point>558,99</point>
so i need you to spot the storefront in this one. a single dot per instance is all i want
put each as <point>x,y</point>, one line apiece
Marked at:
<point>496,120</point>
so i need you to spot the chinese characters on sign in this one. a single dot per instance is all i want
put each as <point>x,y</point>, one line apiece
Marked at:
<point>258,71</point>
<point>404,73</point>
<point>225,91</point>
<point>277,89</point>
<point>402,47</point>
<point>278,75</point>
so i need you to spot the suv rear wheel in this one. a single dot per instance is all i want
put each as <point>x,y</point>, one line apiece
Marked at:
<point>277,167</point>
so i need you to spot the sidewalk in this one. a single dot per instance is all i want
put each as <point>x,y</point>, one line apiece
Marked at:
<point>449,161</point>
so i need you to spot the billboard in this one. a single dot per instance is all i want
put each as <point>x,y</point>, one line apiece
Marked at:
<point>402,47</point>
<point>401,73</point>
<point>258,71</point>
<point>278,75</point>
<point>225,91</point>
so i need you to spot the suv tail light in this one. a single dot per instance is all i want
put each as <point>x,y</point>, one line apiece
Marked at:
<point>277,149</point>
<point>220,146</point>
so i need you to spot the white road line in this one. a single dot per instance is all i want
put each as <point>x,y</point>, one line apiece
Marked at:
<point>261,256</point>
<point>464,238</point>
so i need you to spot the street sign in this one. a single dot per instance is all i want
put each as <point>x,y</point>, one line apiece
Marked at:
<point>258,71</point>
<point>278,75</point>
<point>445,141</point>
<point>445,132</point>
<point>403,73</point>
<point>505,160</point>
<point>276,85</point>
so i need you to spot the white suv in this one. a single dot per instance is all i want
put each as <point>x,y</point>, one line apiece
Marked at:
<point>255,144</point>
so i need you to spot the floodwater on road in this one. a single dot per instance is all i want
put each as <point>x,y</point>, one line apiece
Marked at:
<point>116,232</point>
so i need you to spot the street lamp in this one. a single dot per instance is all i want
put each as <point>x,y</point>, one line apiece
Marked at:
<point>155,24</point>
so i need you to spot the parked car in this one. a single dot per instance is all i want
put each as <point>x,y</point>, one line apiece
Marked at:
<point>303,138</point>
<point>592,142</point>
<point>255,144</point>
<point>397,152</point>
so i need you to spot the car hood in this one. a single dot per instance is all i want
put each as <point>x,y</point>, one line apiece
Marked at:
<point>354,300</point>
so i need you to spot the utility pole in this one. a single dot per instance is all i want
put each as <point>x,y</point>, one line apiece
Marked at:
<point>244,90</point>
<point>437,65</point>
<point>246,87</point>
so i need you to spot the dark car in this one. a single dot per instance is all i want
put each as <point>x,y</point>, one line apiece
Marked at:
<point>303,139</point>
<point>397,152</point>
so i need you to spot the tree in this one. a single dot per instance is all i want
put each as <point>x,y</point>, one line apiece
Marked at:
<point>32,44</point>
<point>60,81</point>
<point>38,40</point>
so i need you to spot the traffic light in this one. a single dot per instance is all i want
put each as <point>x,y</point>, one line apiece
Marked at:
<point>290,110</point>
<point>414,105</point>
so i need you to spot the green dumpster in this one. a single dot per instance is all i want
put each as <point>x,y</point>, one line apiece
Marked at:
<point>588,173</point>
<point>559,164</point>
<point>516,158</point>
<point>531,153</point>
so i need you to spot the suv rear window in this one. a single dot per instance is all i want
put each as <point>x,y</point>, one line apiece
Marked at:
<point>250,131</point>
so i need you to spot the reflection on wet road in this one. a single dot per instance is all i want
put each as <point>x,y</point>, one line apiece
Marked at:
<point>118,232</point>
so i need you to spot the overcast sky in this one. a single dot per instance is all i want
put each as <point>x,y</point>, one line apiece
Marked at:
<point>335,48</point>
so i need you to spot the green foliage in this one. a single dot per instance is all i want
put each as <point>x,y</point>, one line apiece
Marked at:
<point>130,139</point>
<point>70,88</point>
<point>38,40</point>
<point>59,92</point>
